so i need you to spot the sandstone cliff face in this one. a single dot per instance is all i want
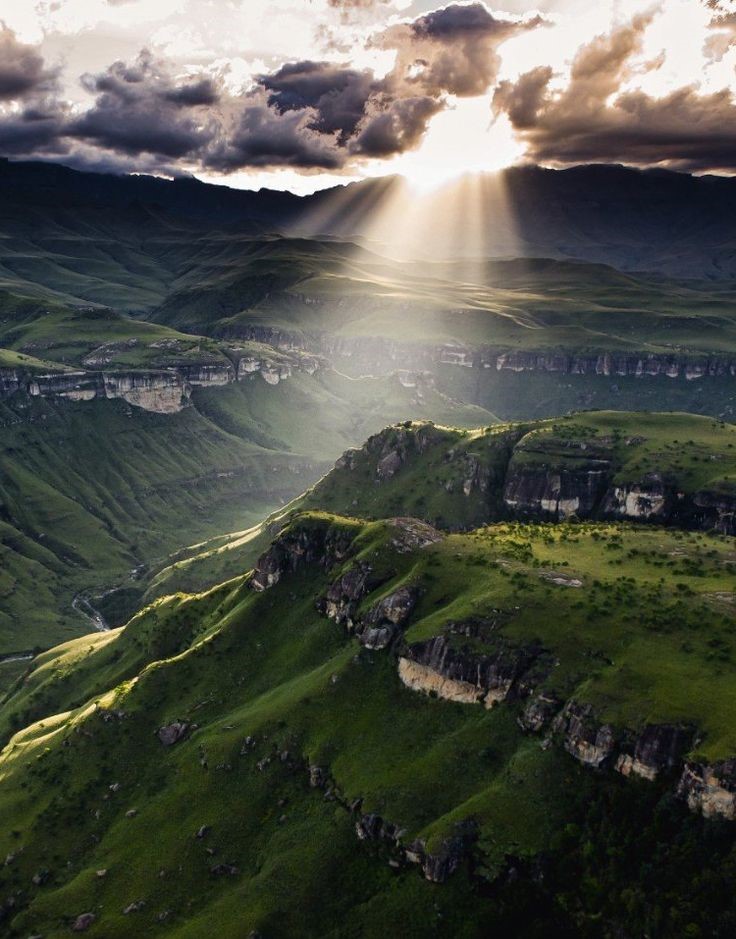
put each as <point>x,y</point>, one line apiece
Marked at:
<point>435,667</point>
<point>647,499</point>
<point>165,391</point>
<point>710,788</point>
<point>657,749</point>
<point>10,381</point>
<point>556,494</point>
<point>583,737</point>
<point>539,711</point>
<point>385,620</point>
<point>381,355</point>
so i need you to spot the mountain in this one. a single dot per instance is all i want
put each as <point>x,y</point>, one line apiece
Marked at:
<point>508,716</point>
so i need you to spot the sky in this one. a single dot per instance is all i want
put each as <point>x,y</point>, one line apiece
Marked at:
<point>302,94</point>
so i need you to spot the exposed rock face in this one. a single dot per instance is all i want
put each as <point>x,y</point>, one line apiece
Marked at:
<point>296,547</point>
<point>538,712</point>
<point>165,392</point>
<point>646,499</point>
<point>710,788</point>
<point>10,381</point>
<point>372,827</point>
<point>435,667</point>
<point>411,534</point>
<point>162,390</point>
<point>715,510</point>
<point>556,494</point>
<point>173,733</point>
<point>208,375</point>
<point>583,737</point>
<point>657,749</point>
<point>346,592</point>
<point>384,621</point>
<point>609,364</point>
<point>394,447</point>
<point>439,865</point>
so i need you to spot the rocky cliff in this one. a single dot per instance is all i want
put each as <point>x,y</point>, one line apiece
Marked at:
<point>525,472</point>
<point>461,674</point>
<point>165,391</point>
<point>379,355</point>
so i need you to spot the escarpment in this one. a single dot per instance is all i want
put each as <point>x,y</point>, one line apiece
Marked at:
<point>541,472</point>
<point>462,674</point>
<point>381,354</point>
<point>162,390</point>
<point>297,547</point>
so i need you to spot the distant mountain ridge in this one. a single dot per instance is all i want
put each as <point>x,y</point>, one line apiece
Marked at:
<point>656,220</point>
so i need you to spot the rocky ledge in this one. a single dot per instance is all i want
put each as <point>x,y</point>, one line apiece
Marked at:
<point>164,391</point>
<point>710,788</point>
<point>295,548</point>
<point>436,667</point>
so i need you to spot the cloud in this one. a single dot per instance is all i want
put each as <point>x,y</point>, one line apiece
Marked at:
<point>593,120</point>
<point>264,136</point>
<point>338,95</point>
<point>22,68</point>
<point>304,114</point>
<point>452,50</point>
<point>723,25</point>
<point>141,108</point>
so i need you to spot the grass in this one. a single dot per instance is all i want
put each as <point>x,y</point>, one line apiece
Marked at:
<point>636,641</point>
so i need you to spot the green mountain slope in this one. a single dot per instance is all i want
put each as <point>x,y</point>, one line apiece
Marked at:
<point>655,469</point>
<point>282,751</point>
<point>302,763</point>
<point>93,493</point>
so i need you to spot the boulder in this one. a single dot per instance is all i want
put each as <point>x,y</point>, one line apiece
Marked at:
<point>172,733</point>
<point>83,922</point>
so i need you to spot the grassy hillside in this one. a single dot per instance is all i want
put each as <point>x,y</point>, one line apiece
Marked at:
<point>270,687</point>
<point>438,463</point>
<point>91,492</point>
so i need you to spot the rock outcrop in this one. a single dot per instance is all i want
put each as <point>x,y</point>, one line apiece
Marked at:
<point>710,788</point>
<point>345,593</point>
<point>436,667</point>
<point>657,749</point>
<point>162,390</point>
<point>385,620</point>
<point>539,711</point>
<point>438,865</point>
<point>296,547</point>
<point>583,737</point>
<point>552,493</point>
<point>172,733</point>
<point>643,500</point>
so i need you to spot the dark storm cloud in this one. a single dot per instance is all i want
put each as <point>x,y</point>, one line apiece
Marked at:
<point>307,114</point>
<point>22,68</point>
<point>263,136</point>
<point>452,50</point>
<point>140,108</point>
<point>395,126</point>
<point>591,121</point>
<point>337,94</point>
